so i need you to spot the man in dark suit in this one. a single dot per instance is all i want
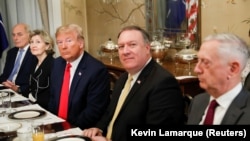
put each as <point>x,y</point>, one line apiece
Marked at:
<point>221,59</point>
<point>18,80</point>
<point>155,97</point>
<point>89,85</point>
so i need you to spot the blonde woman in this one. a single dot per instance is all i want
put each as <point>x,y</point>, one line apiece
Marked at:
<point>41,45</point>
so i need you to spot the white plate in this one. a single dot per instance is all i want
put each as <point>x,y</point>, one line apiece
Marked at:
<point>72,138</point>
<point>27,114</point>
<point>10,127</point>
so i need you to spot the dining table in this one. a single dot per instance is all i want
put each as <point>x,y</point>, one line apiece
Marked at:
<point>24,113</point>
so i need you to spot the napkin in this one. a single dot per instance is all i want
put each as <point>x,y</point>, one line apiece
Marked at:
<point>72,131</point>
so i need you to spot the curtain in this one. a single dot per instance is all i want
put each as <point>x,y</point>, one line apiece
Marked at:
<point>3,10</point>
<point>44,14</point>
<point>17,11</point>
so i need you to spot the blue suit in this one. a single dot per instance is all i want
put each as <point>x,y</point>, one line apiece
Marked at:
<point>23,75</point>
<point>89,91</point>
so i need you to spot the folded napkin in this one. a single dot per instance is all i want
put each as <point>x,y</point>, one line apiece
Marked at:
<point>72,131</point>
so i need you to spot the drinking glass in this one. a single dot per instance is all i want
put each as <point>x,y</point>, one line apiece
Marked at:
<point>24,134</point>
<point>2,107</point>
<point>6,101</point>
<point>38,131</point>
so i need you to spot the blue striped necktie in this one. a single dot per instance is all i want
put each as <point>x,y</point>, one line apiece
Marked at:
<point>16,65</point>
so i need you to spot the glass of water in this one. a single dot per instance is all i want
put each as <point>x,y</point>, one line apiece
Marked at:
<point>2,106</point>
<point>6,101</point>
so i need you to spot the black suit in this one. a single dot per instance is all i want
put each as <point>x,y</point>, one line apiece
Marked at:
<point>40,81</point>
<point>154,99</point>
<point>23,75</point>
<point>89,91</point>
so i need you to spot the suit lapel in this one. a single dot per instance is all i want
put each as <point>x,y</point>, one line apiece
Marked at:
<point>79,73</point>
<point>139,82</point>
<point>60,75</point>
<point>26,58</point>
<point>200,111</point>
<point>234,111</point>
<point>13,58</point>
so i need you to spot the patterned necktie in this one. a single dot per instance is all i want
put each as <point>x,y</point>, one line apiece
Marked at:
<point>210,113</point>
<point>121,100</point>
<point>63,106</point>
<point>16,65</point>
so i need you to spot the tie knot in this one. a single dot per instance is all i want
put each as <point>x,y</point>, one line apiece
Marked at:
<point>210,113</point>
<point>130,78</point>
<point>68,66</point>
<point>213,104</point>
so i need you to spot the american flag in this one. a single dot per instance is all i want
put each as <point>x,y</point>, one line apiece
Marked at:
<point>191,14</point>
<point>3,38</point>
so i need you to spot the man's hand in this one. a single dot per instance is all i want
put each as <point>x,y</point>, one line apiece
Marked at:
<point>11,85</point>
<point>91,132</point>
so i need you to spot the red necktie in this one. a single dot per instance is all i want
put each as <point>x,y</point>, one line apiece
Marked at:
<point>210,113</point>
<point>63,107</point>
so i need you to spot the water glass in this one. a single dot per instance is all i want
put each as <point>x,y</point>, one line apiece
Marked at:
<point>24,134</point>
<point>2,107</point>
<point>38,131</point>
<point>6,101</point>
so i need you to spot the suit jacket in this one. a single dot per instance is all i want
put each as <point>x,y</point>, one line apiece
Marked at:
<point>238,112</point>
<point>22,78</point>
<point>89,91</point>
<point>40,81</point>
<point>247,82</point>
<point>154,99</point>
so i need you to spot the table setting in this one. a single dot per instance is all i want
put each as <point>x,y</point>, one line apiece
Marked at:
<point>20,122</point>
